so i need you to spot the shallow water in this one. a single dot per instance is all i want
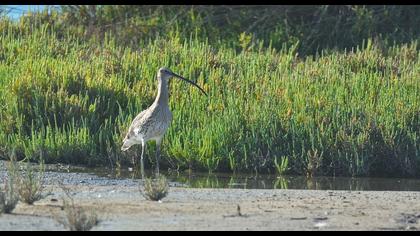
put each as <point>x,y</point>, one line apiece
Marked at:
<point>104,176</point>
<point>243,181</point>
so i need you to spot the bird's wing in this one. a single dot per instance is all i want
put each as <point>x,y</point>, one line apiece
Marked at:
<point>136,122</point>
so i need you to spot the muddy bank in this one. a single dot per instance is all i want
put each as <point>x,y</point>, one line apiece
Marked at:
<point>120,206</point>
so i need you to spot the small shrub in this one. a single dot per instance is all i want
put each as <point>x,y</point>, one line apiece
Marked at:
<point>30,186</point>
<point>2,201</point>
<point>155,189</point>
<point>8,198</point>
<point>77,218</point>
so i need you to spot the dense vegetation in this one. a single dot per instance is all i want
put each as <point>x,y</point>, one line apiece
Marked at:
<point>68,93</point>
<point>310,28</point>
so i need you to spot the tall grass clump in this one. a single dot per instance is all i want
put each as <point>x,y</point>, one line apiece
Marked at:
<point>352,113</point>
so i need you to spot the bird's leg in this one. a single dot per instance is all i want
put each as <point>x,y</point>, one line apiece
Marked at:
<point>158,143</point>
<point>133,160</point>
<point>143,146</point>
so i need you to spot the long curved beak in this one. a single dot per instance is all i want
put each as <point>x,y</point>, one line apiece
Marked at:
<point>186,80</point>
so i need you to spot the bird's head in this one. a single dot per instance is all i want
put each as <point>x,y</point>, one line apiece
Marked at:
<point>165,74</point>
<point>128,142</point>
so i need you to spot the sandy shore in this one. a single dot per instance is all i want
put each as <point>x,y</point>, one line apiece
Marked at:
<point>124,208</point>
<point>120,206</point>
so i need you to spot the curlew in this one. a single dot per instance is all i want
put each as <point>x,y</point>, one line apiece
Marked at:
<point>152,123</point>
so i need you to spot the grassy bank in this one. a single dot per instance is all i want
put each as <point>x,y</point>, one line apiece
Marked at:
<point>342,113</point>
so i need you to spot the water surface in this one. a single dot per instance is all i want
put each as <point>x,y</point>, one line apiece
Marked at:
<point>247,181</point>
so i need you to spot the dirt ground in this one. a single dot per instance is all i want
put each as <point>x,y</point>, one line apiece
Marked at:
<point>124,208</point>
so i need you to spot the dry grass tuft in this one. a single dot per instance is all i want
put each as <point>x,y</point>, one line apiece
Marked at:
<point>77,218</point>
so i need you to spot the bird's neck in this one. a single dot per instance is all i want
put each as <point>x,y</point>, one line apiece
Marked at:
<point>163,93</point>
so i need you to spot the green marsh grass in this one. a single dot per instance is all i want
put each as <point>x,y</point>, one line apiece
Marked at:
<point>353,113</point>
